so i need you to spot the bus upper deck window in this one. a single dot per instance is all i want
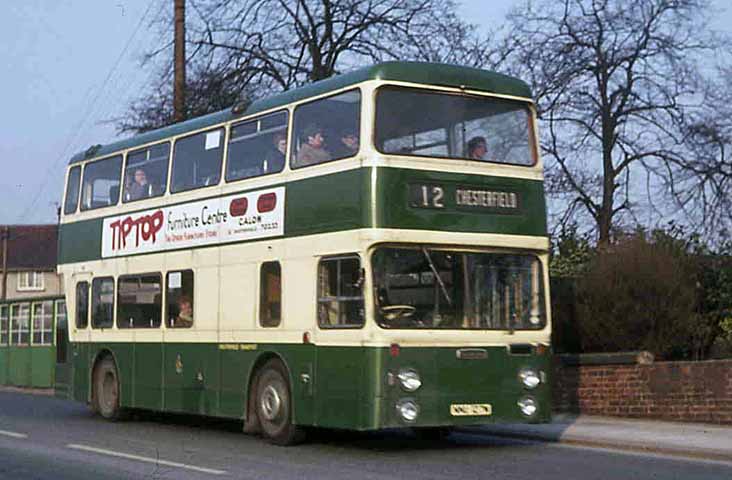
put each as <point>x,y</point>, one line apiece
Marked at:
<point>72,190</point>
<point>146,172</point>
<point>425,123</point>
<point>100,187</point>
<point>197,161</point>
<point>257,147</point>
<point>326,129</point>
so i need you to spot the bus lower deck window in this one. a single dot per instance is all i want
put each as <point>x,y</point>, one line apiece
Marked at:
<point>139,301</point>
<point>179,309</point>
<point>340,299</point>
<point>102,302</point>
<point>82,305</point>
<point>270,288</point>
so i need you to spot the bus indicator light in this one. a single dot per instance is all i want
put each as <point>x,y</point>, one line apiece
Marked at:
<point>394,350</point>
<point>238,207</point>
<point>267,202</point>
<point>306,337</point>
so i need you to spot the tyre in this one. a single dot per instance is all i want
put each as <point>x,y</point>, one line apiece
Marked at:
<point>274,405</point>
<point>106,390</point>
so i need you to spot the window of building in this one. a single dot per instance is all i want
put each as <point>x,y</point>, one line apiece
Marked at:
<point>102,302</point>
<point>20,324</point>
<point>30,281</point>
<point>197,160</point>
<point>257,147</point>
<point>340,296</point>
<point>270,294</point>
<point>72,190</point>
<point>139,301</point>
<point>179,311</point>
<point>82,304</point>
<point>43,323</point>
<point>4,324</point>
<point>100,187</point>
<point>326,129</point>
<point>62,331</point>
<point>146,172</point>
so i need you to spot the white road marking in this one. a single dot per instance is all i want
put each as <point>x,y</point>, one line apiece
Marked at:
<point>139,458</point>
<point>13,434</point>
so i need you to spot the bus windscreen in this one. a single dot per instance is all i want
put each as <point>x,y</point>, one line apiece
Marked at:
<point>433,124</point>
<point>423,288</point>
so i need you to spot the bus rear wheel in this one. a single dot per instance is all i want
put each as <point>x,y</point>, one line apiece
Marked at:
<point>106,390</point>
<point>274,405</point>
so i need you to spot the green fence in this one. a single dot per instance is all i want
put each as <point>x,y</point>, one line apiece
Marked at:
<point>28,341</point>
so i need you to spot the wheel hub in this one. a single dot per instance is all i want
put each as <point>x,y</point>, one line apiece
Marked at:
<point>270,403</point>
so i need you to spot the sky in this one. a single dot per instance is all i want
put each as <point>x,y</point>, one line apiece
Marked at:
<point>70,66</point>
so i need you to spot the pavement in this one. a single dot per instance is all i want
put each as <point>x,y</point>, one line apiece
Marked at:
<point>697,440</point>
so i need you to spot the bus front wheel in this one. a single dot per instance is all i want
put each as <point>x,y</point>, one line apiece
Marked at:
<point>274,405</point>
<point>106,390</point>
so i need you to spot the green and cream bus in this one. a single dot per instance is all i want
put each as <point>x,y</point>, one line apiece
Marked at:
<point>365,252</point>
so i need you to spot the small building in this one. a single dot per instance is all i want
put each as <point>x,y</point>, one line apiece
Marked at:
<point>31,304</point>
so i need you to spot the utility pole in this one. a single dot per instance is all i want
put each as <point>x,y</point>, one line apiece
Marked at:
<point>5,236</point>
<point>179,82</point>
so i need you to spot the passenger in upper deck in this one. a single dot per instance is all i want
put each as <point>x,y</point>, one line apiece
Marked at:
<point>275,159</point>
<point>312,151</point>
<point>139,188</point>
<point>477,148</point>
<point>349,144</point>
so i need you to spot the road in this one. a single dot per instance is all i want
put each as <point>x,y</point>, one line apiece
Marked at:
<point>43,437</point>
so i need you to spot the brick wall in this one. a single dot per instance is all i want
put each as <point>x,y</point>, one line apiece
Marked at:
<point>680,391</point>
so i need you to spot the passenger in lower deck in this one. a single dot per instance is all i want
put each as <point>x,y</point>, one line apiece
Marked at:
<point>184,319</point>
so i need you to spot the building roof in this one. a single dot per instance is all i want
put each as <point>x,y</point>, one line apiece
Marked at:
<point>30,247</point>
<point>413,72</point>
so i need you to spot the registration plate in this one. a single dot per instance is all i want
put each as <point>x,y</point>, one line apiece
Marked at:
<point>470,409</point>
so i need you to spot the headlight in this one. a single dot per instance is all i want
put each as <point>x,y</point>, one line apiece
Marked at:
<point>528,406</point>
<point>530,378</point>
<point>409,379</point>
<point>408,410</point>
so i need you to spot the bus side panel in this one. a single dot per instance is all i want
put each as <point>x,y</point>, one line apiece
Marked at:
<point>339,380</point>
<point>148,375</point>
<point>191,372</point>
<point>81,373</point>
<point>300,362</point>
<point>235,365</point>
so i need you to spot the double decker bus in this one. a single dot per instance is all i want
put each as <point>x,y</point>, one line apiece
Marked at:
<point>365,252</point>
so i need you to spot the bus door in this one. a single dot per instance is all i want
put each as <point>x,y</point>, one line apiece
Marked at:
<point>339,366</point>
<point>62,375</point>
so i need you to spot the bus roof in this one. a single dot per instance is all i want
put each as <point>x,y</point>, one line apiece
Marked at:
<point>413,72</point>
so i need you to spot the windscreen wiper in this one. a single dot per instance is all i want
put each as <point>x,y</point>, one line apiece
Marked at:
<point>437,276</point>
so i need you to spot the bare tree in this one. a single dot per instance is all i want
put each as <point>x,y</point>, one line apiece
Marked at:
<point>702,179</point>
<point>207,91</point>
<point>616,81</point>
<point>265,46</point>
